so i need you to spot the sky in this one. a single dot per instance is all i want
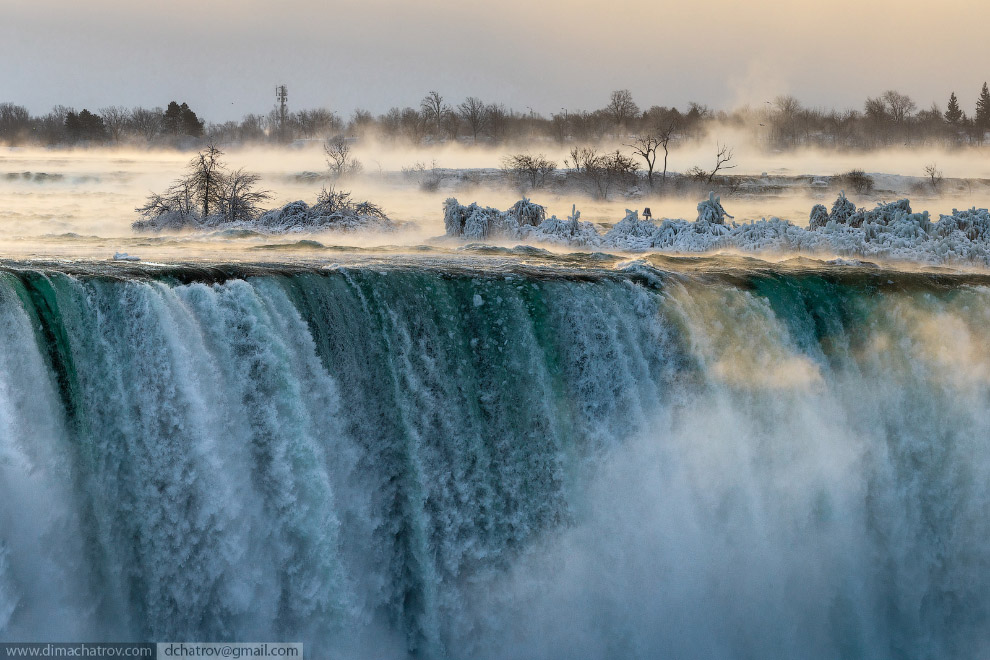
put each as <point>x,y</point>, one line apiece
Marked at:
<point>225,57</point>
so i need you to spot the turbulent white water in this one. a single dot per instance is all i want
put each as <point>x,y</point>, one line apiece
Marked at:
<point>439,462</point>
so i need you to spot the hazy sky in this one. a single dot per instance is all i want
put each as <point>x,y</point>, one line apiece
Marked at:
<point>224,57</point>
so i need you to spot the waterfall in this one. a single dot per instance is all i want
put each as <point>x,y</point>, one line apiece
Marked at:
<point>412,462</point>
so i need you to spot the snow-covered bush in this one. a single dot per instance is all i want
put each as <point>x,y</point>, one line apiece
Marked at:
<point>974,224</point>
<point>842,209</point>
<point>210,197</point>
<point>819,216</point>
<point>711,210</point>
<point>478,223</point>
<point>333,211</point>
<point>888,231</point>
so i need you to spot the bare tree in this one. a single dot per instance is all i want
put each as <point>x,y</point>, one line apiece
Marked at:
<point>621,108</point>
<point>784,118</point>
<point>340,161</point>
<point>558,125</point>
<point>15,122</point>
<point>206,178</point>
<point>934,176</point>
<point>580,157</point>
<point>433,109</point>
<point>51,127</point>
<point>472,111</point>
<point>532,169</point>
<point>898,105</point>
<point>645,146</point>
<point>206,190</point>
<point>450,123</point>
<point>361,121</point>
<point>147,122</point>
<point>603,171</point>
<point>317,123</point>
<point>722,157</point>
<point>664,135</point>
<point>496,120</point>
<point>115,119</point>
<point>876,109</point>
<point>238,199</point>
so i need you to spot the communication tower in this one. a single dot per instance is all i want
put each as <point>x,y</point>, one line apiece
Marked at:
<point>282,98</point>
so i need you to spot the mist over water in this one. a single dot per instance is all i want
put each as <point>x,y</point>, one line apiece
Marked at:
<point>493,460</point>
<point>81,202</point>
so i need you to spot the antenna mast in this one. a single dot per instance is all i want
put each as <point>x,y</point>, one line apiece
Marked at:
<point>282,98</point>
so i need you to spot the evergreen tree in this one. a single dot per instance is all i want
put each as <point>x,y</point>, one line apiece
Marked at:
<point>953,114</point>
<point>85,126</point>
<point>172,119</point>
<point>982,118</point>
<point>191,124</point>
<point>181,120</point>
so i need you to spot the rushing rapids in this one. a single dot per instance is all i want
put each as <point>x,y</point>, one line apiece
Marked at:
<point>499,460</point>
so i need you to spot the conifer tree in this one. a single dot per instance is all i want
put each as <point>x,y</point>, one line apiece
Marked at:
<point>982,118</point>
<point>953,114</point>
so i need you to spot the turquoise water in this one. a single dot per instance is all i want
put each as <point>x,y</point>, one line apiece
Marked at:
<point>453,458</point>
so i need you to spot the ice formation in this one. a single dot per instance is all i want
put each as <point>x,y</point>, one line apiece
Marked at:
<point>888,231</point>
<point>333,211</point>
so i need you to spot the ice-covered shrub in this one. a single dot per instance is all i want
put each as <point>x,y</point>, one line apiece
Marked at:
<point>842,209</point>
<point>888,231</point>
<point>819,216</point>
<point>481,222</point>
<point>711,210</point>
<point>974,224</point>
<point>333,211</point>
<point>527,213</point>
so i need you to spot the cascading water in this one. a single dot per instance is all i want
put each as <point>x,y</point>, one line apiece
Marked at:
<point>393,462</point>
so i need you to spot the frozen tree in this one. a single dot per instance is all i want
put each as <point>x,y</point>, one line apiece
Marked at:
<point>206,178</point>
<point>239,200</point>
<point>819,216</point>
<point>316,123</point>
<point>842,209</point>
<point>784,119</point>
<point>711,210</point>
<point>207,190</point>
<point>361,122</point>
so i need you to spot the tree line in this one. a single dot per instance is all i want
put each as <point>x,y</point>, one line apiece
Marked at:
<point>890,118</point>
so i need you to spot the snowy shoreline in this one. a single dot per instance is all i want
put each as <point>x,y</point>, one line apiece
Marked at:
<point>889,231</point>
